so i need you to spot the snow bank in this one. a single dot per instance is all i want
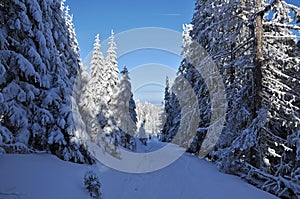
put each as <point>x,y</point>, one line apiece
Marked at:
<point>46,176</point>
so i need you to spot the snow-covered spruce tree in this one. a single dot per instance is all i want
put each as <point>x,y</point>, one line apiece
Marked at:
<point>81,77</point>
<point>132,110</point>
<point>255,51</point>
<point>93,98</point>
<point>38,66</point>
<point>120,105</point>
<point>97,78</point>
<point>167,112</point>
<point>109,83</point>
<point>188,77</point>
<point>189,139</point>
<point>172,114</point>
<point>189,111</point>
<point>228,37</point>
<point>112,70</point>
<point>280,95</point>
<point>71,29</point>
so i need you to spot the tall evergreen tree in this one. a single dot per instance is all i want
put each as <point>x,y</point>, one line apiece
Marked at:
<point>167,112</point>
<point>132,110</point>
<point>172,114</point>
<point>80,79</point>
<point>112,70</point>
<point>253,44</point>
<point>97,79</point>
<point>121,104</point>
<point>93,96</point>
<point>123,111</point>
<point>38,67</point>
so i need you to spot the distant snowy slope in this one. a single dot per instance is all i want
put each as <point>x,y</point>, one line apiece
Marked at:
<point>47,177</point>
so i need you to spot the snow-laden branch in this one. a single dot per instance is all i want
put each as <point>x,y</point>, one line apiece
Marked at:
<point>233,51</point>
<point>281,37</point>
<point>266,9</point>
<point>293,7</point>
<point>289,26</point>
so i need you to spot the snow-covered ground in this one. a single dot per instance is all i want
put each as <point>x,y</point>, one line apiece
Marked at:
<point>43,176</point>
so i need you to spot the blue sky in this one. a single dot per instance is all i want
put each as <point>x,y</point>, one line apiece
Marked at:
<point>295,2</point>
<point>101,16</point>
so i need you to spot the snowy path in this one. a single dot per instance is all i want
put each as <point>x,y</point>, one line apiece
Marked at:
<point>45,176</point>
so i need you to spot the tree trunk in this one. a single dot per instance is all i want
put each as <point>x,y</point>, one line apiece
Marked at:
<point>257,73</point>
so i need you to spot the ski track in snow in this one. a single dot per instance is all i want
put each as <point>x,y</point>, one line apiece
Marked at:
<point>40,176</point>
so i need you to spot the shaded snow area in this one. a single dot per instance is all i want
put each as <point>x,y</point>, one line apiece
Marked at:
<point>42,176</point>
